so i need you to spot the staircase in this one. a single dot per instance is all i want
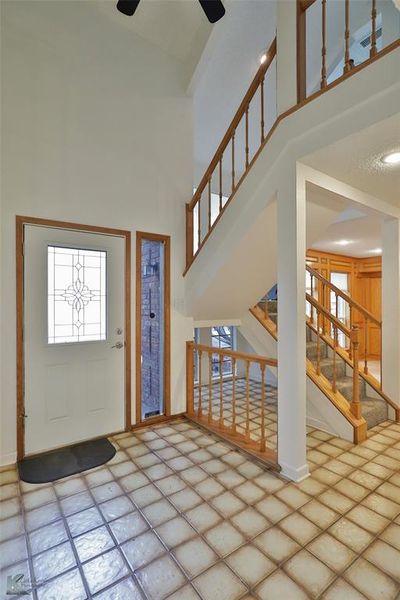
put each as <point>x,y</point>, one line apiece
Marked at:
<point>330,366</point>
<point>374,409</point>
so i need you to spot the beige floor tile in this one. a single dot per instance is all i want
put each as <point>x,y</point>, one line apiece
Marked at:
<point>391,535</point>
<point>13,551</point>
<point>145,495</point>
<point>309,572</point>
<point>339,467</point>
<point>383,506</point>
<point>160,578</point>
<point>250,522</point>
<point>293,497</point>
<point>365,479</point>
<point>368,519</point>
<point>351,490</point>
<point>311,486</point>
<point>299,528</point>
<point>219,582</point>
<point>325,476</point>
<point>279,586</point>
<point>276,544</point>
<point>370,581</point>
<point>269,482</point>
<point>170,485</point>
<point>143,549</point>
<point>390,491</point>
<point>187,592</point>
<point>228,504</point>
<point>195,556</point>
<point>203,517</point>
<point>250,564</point>
<point>331,552</point>
<point>249,492</point>
<point>341,590</point>
<point>209,488</point>
<point>175,532</point>
<point>185,499</point>
<point>385,557</point>
<point>273,509</point>
<point>159,512</point>
<point>319,514</point>
<point>224,538</point>
<point>336,501</point>
<point>351,534</point>
<point>193,475</point>
<point>11,528</point>
<point>128,526</point>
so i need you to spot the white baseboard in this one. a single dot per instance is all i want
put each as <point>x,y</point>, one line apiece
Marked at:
<point>8,459</point>
<point>296,474</point>
<point>312,422</point>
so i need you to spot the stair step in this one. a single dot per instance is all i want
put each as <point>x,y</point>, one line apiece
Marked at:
<point>312,350</point>
<point>345,387</point>
<point>326,366</point>
<point>374,411</point>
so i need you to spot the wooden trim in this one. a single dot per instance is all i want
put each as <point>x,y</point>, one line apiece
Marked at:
<point>301,66</point>
<point>393,46</point>
<point>305,4</point>
<point>261,360</point>
<point>161,420</point>
<point>20,222</point>
<point>141,235</point>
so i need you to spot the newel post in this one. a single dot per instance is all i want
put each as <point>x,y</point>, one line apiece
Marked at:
<point>189,235</point>
<point>355,342</point>
<point>189,378</point>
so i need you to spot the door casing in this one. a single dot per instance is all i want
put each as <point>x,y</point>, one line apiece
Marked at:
<point>21,221</point>
<point>141,235</point>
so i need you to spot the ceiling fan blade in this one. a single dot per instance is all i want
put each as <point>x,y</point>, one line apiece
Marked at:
<point>127,7</point>
<point>214,9</point>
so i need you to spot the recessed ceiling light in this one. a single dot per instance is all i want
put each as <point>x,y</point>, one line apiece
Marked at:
<point>343,242</point>
<point>393,158</point>
<point>376,251</point>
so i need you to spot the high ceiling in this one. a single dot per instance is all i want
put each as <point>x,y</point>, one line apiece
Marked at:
<point>177,27</point>
<point>356,160</point>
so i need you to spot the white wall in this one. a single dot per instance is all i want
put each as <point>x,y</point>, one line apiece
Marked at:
<point>97,130</point>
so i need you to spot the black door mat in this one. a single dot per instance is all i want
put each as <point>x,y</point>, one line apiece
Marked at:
<point>57,464</point>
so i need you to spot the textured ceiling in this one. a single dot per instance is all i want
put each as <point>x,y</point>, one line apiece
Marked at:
<point>356,160</point>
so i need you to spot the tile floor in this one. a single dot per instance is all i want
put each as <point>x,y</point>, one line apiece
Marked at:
<point>271,399</point>
<point>178,514</point>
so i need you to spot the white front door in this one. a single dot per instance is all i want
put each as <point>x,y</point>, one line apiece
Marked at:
<point>73,336</point>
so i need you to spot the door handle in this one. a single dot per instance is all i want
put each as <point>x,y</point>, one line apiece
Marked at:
<point>118,345</point>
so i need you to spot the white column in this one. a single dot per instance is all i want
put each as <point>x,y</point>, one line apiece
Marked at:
<point>286,62</point>
<point>391,309</point>
<point>291,327</point>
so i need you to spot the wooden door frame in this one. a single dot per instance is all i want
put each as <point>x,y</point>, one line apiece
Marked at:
<point>141,235</point>
<point>21,221</point>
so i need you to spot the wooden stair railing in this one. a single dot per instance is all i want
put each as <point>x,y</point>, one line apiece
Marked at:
<point>322,314</point>
<point>199,221</point>
<point>214,404</point>
<point>199,209</point>
<point>357,314</point>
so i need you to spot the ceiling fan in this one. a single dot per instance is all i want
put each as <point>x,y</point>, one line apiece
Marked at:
<point>214,9</point>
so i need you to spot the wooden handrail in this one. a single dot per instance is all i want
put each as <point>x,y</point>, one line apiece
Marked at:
<point>261,360</point>
<point>328,315</point>
<point>271,53</point>
<point>209,408</point>
<point>345,296</point>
